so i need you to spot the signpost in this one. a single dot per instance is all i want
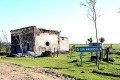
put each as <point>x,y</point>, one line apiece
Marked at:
<point>82,49</point>
<point>89,49</point>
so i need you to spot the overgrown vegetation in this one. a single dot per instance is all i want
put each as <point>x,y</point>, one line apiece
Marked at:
<point>5,49</point>
<point>4,44</point>
<point>70,66</point>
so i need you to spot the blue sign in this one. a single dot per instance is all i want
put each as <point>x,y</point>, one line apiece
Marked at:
<point>89,49</point>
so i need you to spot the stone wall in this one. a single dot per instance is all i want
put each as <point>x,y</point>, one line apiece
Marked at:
<point>24,38</point>
<point>46,40</point>
<point>64,44</point>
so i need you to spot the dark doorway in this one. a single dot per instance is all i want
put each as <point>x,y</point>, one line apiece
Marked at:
<point>28,46</point>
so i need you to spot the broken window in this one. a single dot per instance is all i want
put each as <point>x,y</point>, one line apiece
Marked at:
<point>28,46</point>
<point>47,43</point>
<point>62,38</point>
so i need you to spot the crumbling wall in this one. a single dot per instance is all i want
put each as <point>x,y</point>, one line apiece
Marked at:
<point>37,40</point>
<point>46,40</point>
<point>64,44</point>
<point>22,37</point>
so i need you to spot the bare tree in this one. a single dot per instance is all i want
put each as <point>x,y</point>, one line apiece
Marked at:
<point>20,40</point>
<point>0,44</point>
<point>6,42</point>
<point>119,11</point>
<point>92,15</point>
<point>72,50</point>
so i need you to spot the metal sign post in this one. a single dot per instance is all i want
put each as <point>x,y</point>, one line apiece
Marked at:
<point>88,49</point>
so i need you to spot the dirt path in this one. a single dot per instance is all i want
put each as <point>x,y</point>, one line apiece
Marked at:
<point>9,71</point>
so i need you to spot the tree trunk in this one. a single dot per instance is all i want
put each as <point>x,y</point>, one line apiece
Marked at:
<point>97,42</point>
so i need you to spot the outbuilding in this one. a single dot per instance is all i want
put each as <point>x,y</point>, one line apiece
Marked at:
<point>37,40</point>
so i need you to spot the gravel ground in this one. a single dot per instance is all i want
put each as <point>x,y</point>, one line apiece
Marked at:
<point>9,71</point>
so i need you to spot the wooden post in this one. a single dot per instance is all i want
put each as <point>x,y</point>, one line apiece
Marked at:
<point>97,60</point>
<point>71,53</point>
<point>57,53</point>
<point>91,55</point>
<point>53,54</point>
<point>107,56</point>
<point>81,58</point>
<point>102,55</point>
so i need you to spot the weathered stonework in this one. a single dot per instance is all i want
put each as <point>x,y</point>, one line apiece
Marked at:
<point>37,40</point>
<point>23,35</point>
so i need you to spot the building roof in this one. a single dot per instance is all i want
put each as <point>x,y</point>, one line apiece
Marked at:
<point>35,27</point>
<point>63,37</point>
<point>23,28</point>
<point>48,30</point>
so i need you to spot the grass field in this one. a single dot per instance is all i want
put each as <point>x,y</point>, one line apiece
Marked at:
<point>64,64</point>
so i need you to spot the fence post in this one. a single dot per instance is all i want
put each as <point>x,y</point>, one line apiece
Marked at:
<point>81,58</point>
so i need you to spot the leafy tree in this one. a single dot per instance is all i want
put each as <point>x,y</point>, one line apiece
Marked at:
<point>102,39</point>
<point>90,40</point>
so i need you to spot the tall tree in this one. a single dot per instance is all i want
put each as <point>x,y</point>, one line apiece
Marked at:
<point>92,15</point>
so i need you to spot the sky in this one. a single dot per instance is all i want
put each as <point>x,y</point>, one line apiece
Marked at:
<point>67,16</point>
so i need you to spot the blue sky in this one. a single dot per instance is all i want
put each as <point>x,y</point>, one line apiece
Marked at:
<point>67,16</point>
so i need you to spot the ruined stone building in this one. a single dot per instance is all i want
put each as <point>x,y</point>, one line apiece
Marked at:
<point>37,40</point>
